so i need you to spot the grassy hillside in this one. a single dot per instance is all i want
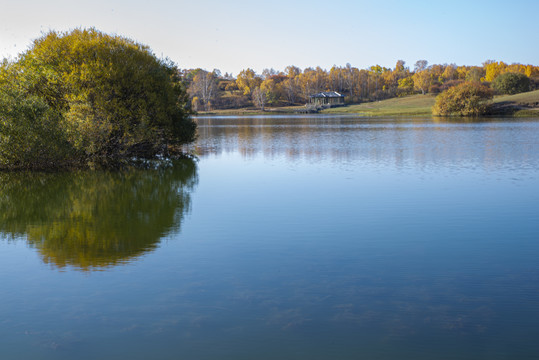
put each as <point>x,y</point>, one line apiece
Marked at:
<point>524,104</point>
<point>524,98</point>
<point>416,105</point>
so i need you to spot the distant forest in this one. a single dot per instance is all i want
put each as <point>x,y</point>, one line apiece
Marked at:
<point>293,86</point>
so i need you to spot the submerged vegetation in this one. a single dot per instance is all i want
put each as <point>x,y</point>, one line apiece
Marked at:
<point>85,97</point>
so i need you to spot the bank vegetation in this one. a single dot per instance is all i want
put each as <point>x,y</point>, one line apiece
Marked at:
<point>84,98</point>
<point>211,90</point>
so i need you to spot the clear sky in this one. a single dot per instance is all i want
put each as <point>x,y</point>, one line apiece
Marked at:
<point>236,34</point>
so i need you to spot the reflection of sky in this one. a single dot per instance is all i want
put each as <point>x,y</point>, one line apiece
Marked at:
<point>417,242</point>
<point>406,143</point>
<point>407,239</point>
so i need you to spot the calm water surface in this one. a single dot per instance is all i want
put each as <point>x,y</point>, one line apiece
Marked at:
<point>289,238</point>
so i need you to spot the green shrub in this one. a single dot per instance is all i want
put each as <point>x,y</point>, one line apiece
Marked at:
<point>30,133</point>
<point>466,99</point>
<point>511,83</point>
<point>108,97</point>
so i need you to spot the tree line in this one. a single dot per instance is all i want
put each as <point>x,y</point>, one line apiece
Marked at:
<point>293,86</point>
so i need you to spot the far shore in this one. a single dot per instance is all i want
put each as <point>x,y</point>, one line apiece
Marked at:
<point>519,105</point>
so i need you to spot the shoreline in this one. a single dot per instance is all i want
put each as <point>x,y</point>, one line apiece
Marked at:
<point>519,105</point>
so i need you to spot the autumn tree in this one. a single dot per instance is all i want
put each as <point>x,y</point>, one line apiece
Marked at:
<point>292,71</point>
<point>461,72</point>
<point>420,65</point>
<point>475,74</point>
<point>204,87</point>
<point>273,87</point>
<point>291,89</point>
<point>450,73</point>
<point>375,72</point>
<point>290,84</point>
<point>247,81</point>
<point>493,69</point>
<point>400,80</point>
<point>400,71</point>
<point>422,80</point>
<point>312,81</point>
<point>363,82</point>
<point>436,71</point>
<point>268,73</point>
<point>531,71</point>
<point>260,97</point>
<point>406,85</point>
<point>336,78</point>
<point>351,79</point>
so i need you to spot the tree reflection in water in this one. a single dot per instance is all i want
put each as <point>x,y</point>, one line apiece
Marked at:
<point>91,220</point>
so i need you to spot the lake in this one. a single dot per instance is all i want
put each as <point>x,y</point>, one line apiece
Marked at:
<point>308,237</point>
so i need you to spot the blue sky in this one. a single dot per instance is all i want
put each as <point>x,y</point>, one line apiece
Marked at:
<point>236,34</point>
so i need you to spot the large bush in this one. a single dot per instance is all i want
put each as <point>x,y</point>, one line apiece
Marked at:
<point>107,97</point>
<point>511,83</point>
<point>466,99</point>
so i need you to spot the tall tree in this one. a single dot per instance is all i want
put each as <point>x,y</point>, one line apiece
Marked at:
<point>422,80</point>
<point>351,78</point>
<point>204,86</point>
<point>475,74</point>
<point>260,97</point>
<point>247,81</point>
<point>450,73</point>
<point>420,65</point>
<point>376,71</point>
<point>493,69</point>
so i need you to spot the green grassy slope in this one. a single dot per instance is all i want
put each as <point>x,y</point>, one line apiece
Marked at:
<point>405,106</point>
<point>524,104</point>
<point>524,98</point>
